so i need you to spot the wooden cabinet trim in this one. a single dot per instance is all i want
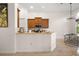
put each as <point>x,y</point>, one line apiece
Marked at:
<point>18,18</point>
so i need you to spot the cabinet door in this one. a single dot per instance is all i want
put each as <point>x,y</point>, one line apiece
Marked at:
<point>31,23</point>
<point>45,23</point>
<point>38,21</point>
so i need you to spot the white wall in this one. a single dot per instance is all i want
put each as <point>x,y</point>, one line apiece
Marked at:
<point>7,35</point>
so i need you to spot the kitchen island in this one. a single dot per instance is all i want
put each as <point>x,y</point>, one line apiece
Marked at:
<point>35,42</point>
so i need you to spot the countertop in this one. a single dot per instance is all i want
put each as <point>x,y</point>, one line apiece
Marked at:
<point>34,33</point>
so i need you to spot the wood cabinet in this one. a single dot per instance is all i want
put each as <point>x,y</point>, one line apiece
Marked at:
<point>45,23</point>
<point>31,23</point>
<point>38,21</point>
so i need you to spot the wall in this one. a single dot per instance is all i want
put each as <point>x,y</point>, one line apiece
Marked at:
<point>7,35</point>
<point>60,28</point>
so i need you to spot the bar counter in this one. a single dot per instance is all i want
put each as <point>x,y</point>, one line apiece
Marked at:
<point>35,42</point>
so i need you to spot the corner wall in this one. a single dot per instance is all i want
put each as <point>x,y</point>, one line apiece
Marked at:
<point>7,35</point>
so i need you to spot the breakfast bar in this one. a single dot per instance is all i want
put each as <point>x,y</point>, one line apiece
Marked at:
<point>35,42</point>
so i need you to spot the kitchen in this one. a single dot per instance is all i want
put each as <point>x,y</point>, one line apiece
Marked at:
<point>33,34</point>
<point>39,29</point>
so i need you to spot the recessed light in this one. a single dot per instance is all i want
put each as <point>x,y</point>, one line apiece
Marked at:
<point>31,7</point>
<point>43,6</point>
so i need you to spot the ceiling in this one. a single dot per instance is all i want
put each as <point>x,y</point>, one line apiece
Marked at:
<point>49,7</point>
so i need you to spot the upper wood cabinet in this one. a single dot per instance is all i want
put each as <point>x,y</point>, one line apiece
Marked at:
<point>45,23</point>
<point>38,21</point>
<point>31,23</point>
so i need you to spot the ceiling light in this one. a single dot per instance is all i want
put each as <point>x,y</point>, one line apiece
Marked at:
<point>43,6</point>
<point>31,7</point>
